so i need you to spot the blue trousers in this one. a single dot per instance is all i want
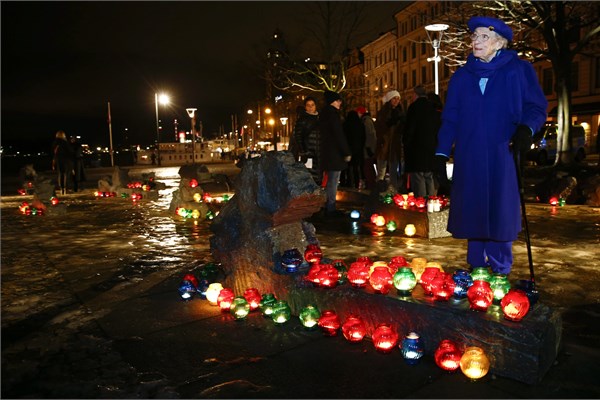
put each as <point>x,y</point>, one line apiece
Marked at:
<point>496,255</point>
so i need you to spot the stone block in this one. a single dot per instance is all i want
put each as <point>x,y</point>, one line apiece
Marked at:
<point>428,224</point>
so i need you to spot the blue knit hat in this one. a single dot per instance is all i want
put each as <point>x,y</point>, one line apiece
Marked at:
<point>493,24</point>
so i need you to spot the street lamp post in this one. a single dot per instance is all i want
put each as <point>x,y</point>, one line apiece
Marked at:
<point>284,123</point>
<point>163,99</point>
<point>192,114</point>
<point>435,33</point>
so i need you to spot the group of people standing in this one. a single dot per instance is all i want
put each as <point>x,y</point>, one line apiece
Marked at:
<point>67,161</point>
<point>493,105</point>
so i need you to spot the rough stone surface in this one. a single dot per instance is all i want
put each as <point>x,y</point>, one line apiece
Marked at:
<point>430,225</point>
<point>264,219</point>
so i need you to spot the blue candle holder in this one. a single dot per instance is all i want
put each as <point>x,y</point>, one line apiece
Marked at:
<point>463,281</point>
<point>412,348</point>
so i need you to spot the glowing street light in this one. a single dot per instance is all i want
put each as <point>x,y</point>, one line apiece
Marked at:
<point>163,99</point>
<point>192,114</point>
<point>435,33</point>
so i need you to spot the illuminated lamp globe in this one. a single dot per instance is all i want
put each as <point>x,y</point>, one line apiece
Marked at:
<point>442,286</point>
<point>342,270</point>
<point>309,316</point>
<point>267,302</point>
<point>447,355</point>
<point>327,276</point>
<point>355,214</point>
<point>481,274</point>
<point>463,281</point>
<point>385,338</point>
<point>239,308</point>
<point>197,197</point>
<point>380,220</point>
<point>291,260</point>
<point>358,274</point>
<point>480,295</point>
<point>381,280</point>
<point>474,363</point>
<point>500,286</point>
<point>253,298</point>
<point>313,253</point>
<point>281,312</point>
<point>418,266</point>
<point>410,230</point>
<point>226,296</point>
<point>412,348</point>
<point>404,281</point>
<point>191,278</point>
<point>374,218</point>
<point>515,305</point>
<point>427,278</point>
<point>354,329</point>
<point>187,290</point>
<point>329,322</point>
<point>212,293</point>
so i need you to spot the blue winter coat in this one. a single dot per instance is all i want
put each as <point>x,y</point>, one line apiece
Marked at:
<point>484,201</point>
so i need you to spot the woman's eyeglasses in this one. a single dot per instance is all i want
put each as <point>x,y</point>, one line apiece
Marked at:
<point>482,38</point>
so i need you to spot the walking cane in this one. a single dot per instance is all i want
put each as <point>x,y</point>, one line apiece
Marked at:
<point>523,210</point>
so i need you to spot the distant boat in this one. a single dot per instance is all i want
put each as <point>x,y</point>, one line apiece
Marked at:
<point>176,153</point>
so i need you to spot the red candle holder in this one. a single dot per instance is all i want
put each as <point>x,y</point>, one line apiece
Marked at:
<point>313,274</point>
<point>398,262</point>
<point>313,253</point>
<point>381,280</point>
<point>480,295</point>
<point>447,355</point>
<point>354,328</point>
<point>253,298</point>
<point>515,305</point>
<point>327,276</point>
<point>427,278</point>
<point>193,183</point>
<point>442,286</point>
<point>358,274</point>
<point>385,338</point>
<point>398,200</point>
<point>225,299</point>
<point>191,278</point>
<point>329,323</point>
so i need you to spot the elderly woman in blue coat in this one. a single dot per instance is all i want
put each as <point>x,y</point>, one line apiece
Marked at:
<point>493,106</point>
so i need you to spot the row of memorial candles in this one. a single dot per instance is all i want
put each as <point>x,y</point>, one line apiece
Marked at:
<point>385,338</point>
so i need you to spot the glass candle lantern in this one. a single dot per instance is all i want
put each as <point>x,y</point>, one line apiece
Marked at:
<point>481,274</point>
<point>367,260</point>
<point>418,265</point>
<point>252,296</point>
<point>500,286</point>
<point>463,281</point>
<point>515,305</point>
<point>474,363</point>
<point>412,348</point>
<point>385,338</point>
<point>329,322</point>
<point>447,355</point>
<point>398,262</point>
<point>380,220</point>
<point>313,274</point>
<point>193,183</point>
<point>187,290</point>
<point>355,214</point>
<point>225,298</point>
<point>442,286</point>
<point>373,218</point>
<point>387,198</point>
<point>291,260</point>
<point>327,276</point>
<point>391,226</point>
<point>530,290</point>
<point>404,281</point>
<point>267,302</point>
<point>358,274</point>
<point>192,279</point>
<point>480,295</point>
<point>381,280</point>
<point>354,328</point>
<point>239,308</point>
<point>398,200</point>
<point>309,316</point>
<point>313,253</point>
<point>212,293</point>
<point>410,230</point>
<point>427,278</point>
<point>281,312</point>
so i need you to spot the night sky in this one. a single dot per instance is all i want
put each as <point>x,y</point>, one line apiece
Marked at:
<point>62,62</point>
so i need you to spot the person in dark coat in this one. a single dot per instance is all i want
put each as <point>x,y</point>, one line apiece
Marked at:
<point>388,125</point>
<point>78,169</point>
<point>355,136</point>
<point>420,140</point>
<point>335,151</point>
<point>493,100</point>
<point>370,146</point>
<point>306,137</point>
<point>62,160</point>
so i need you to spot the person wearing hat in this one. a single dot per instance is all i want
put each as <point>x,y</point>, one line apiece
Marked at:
<point>388,126</point>
<point>335,151</point>
<point>493,105</point>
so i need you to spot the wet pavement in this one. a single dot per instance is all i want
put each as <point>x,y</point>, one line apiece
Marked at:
<point>90,309</point>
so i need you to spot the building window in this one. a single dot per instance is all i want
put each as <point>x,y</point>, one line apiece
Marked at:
<point>404,80</point>
<point>423,74</point>
<point>414,77</point>
<point>404,55</point>
<point>547,83</point>
<point>575,76</point>
<point>423,48</point>
<point>413,50</point>
<point>391,79</point>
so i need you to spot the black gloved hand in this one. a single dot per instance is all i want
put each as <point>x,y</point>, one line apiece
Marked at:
<point>522,138</point>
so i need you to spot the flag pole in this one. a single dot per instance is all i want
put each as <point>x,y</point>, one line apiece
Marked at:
<point>112,158</point>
